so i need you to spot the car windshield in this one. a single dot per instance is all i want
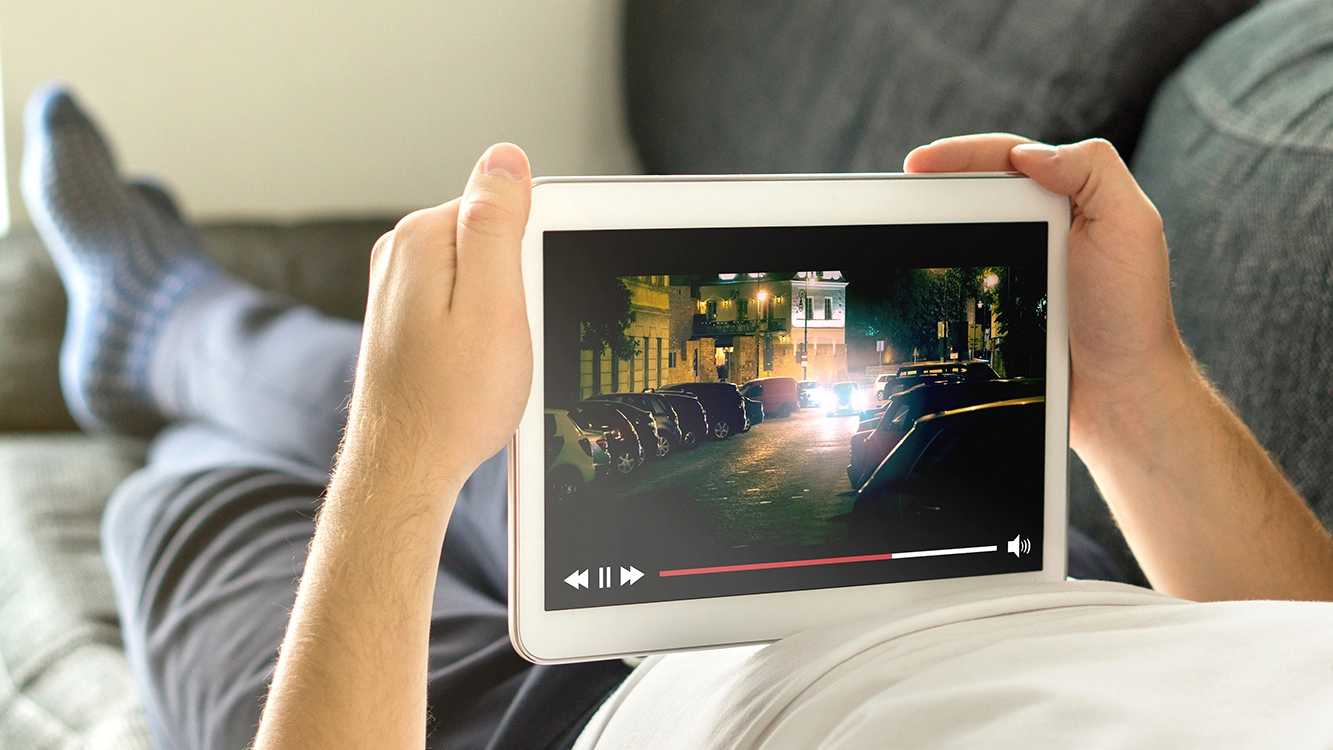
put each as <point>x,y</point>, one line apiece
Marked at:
<point>844,389</point>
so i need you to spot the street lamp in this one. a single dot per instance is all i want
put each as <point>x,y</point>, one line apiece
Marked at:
<point>758,316</point>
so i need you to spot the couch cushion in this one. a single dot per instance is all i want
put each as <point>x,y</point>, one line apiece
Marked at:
<point>1238,156</point>
<point>64,681</point>
<point>718,86</point>
<point>323,263</point>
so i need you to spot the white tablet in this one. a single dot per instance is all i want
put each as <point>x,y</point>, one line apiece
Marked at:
<point>760,404</point>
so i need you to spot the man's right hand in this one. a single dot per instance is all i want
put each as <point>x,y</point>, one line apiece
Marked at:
<point>1122,334</point>
<point>1206,511</point>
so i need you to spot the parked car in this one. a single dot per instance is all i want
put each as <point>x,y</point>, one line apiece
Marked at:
<point>807,393</point>
<point>722,402</point>
<point>844,398</point>
<point>960,478</point>
<point>690,416</point>
<point>917,373</point>
<point>656,445</point>
<point>569,456</point>
<point>601,451</point>
<point>880,382</point>
<point>664,416</point>
<point>622,440</point>
<point>870,446</point>
<point>779,396</point>
<point>754,413</point>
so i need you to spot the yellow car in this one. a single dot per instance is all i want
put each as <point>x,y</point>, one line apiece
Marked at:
<point>569,456</point>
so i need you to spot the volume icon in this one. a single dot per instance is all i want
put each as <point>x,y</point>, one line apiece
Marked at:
<point>1019,546</point>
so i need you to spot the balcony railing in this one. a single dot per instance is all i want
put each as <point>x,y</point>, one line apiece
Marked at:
<point>705,328</point>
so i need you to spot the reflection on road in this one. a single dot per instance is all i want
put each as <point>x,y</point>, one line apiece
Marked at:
<point>776,485</point>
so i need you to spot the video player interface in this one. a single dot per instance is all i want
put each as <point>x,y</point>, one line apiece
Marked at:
<point>748,410</point>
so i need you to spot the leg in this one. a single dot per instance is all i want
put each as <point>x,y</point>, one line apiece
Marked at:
<point>206,544</point>
<point>156,332</point>
<point>205,562</point>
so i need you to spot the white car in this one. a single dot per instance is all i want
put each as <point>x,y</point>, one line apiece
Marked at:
<point>879,385</point>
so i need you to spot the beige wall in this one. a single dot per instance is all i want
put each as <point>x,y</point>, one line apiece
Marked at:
<point>290,108</point>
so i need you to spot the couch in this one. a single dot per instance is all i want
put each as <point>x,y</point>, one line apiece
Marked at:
<point>1226,111</point>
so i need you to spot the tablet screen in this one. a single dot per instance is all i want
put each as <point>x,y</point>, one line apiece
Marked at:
<point>746,410</point>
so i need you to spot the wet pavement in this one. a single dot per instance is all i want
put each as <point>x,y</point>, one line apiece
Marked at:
<point>777,485</point>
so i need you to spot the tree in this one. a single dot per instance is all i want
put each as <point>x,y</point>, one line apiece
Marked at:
<point>1020,309</point>
<point>602,305</point>
<point>903,305</point>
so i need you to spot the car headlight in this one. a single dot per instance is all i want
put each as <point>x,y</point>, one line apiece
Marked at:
<point>858,401</point>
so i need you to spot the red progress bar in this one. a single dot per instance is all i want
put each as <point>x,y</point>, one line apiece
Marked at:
<point>827,561</point>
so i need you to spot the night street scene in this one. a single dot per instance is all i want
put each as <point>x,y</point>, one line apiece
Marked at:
<point>725,433</point>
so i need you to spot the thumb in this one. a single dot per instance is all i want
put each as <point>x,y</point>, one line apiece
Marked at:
<point>1090,172</point>
<point>492,216</point>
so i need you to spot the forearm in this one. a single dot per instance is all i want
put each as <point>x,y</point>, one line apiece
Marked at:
<point>352,672</point>
<point>1204,508</point>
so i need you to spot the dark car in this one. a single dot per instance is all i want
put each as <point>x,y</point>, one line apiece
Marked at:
<point>669,436</point>
<point>622,439</point>
<point>779,395</point>
<point>870,446</point>
<point>961,478</point>
<point>917,373</point>
<point>844,398</point>
<point>807,392</point>
<point>721,401</point>
<point>655,444</point>
<point>754,413</point>
<point>690,416</point>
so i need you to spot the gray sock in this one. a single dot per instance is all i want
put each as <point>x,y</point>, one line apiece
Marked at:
<point>126,259</point>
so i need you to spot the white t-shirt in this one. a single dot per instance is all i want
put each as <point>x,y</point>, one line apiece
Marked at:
<point>1073,664</point>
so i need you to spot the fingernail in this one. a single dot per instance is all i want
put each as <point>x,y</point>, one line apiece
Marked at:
<point>1039,150</point>
<point>504,159</point>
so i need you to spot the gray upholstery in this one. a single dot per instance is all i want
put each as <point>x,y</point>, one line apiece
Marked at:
<point>853,85</point>
<point>64,682</point>
<point>1238,157</point>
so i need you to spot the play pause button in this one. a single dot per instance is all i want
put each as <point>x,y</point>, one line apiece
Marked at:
<point>606,577</point>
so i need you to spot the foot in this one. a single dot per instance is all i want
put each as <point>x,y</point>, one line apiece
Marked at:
<point>126,259</point>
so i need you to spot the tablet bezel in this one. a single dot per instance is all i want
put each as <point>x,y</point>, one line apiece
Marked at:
<point>603,632</point>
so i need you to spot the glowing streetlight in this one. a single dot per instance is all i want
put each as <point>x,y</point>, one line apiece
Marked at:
<point>990,281</point>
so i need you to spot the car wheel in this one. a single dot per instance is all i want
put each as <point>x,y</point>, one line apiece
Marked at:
<point>625,462</point>
<point>564,485</point>
<point>663,446</point>
<point>784,411</point>
<point>688,441</point>
<point>721,429</point>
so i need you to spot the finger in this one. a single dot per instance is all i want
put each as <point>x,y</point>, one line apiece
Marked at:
<point>987,152</point>
<point>492,216</point>
<point>1090,172</point>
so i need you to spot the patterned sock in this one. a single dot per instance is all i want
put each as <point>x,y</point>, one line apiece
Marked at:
<point>126,259</point>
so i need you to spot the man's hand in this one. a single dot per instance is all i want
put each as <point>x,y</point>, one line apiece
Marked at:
<point>444,374</point>
<point>1120,318</point>
<point>1206,511</point>
<point>446,356</point>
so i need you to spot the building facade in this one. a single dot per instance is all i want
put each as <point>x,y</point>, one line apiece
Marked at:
<point>648,366</point>
<point>766,325</point>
